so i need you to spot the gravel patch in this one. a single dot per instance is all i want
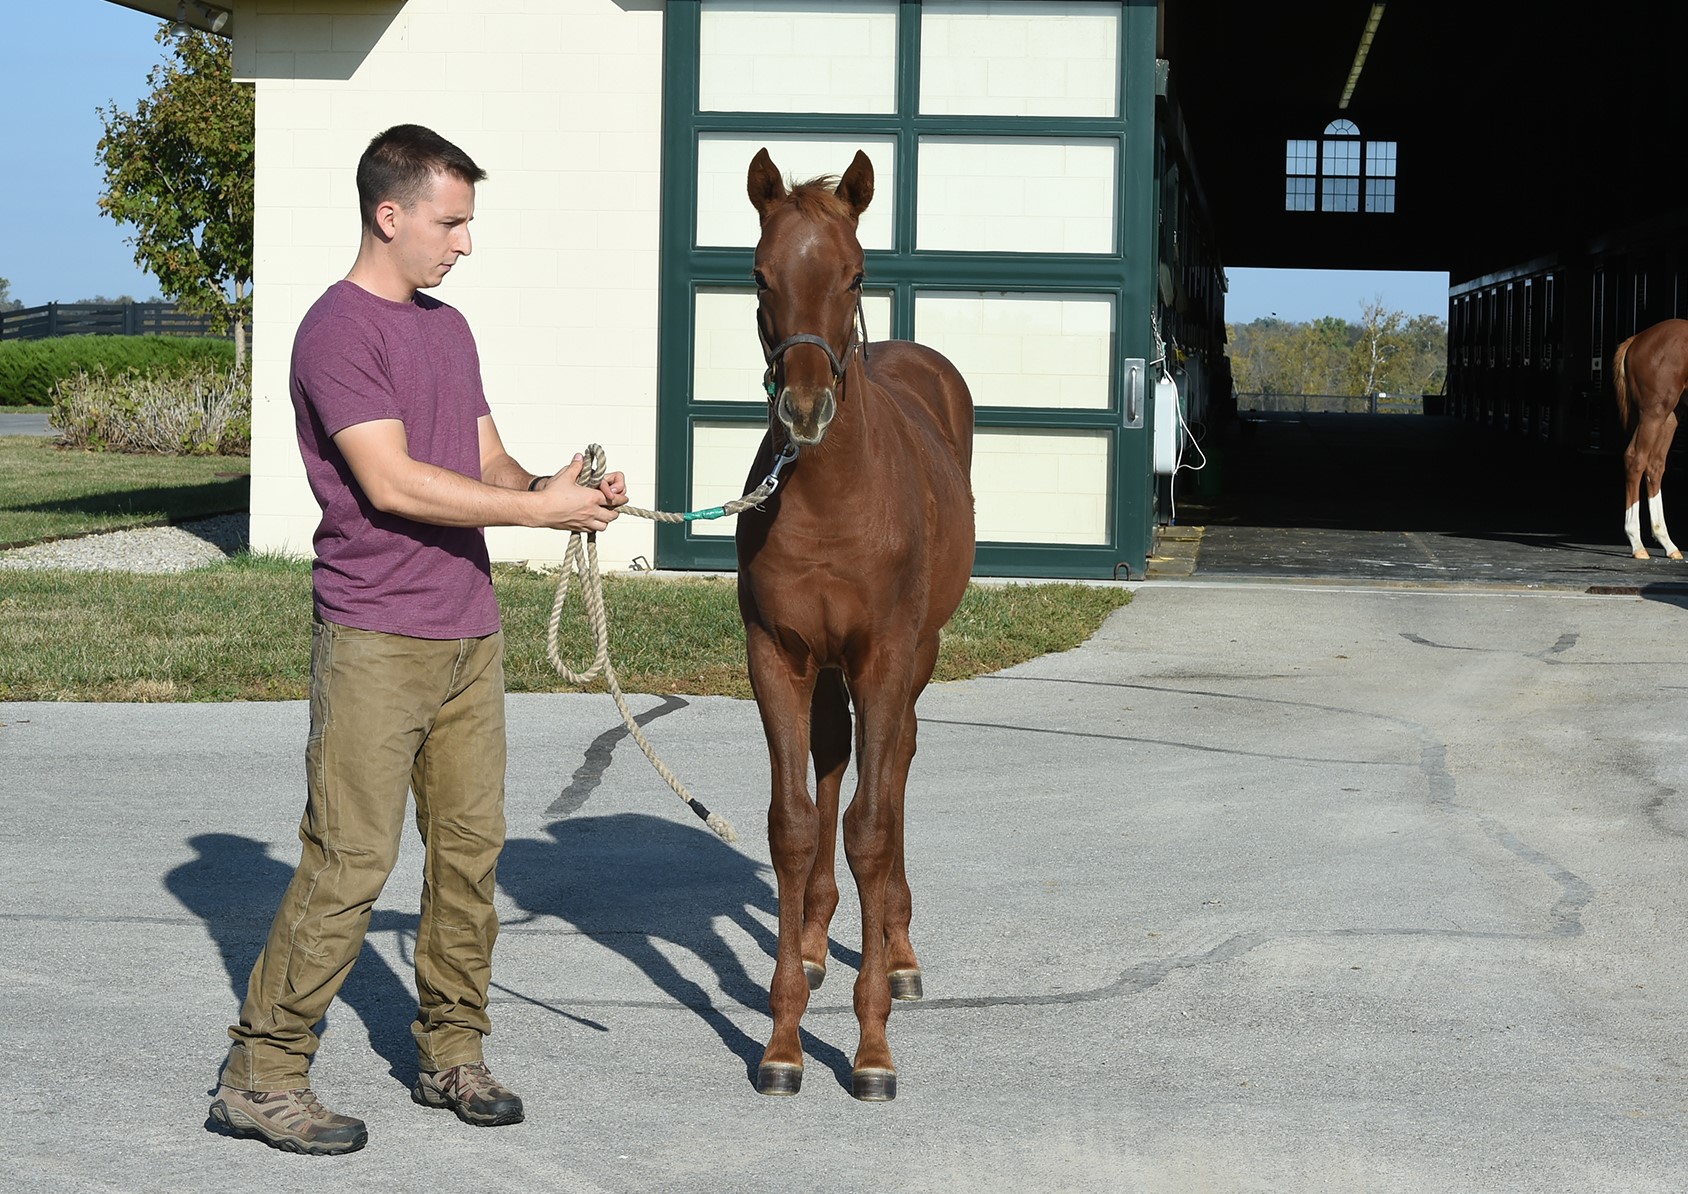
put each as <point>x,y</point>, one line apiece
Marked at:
<point>177,548</point>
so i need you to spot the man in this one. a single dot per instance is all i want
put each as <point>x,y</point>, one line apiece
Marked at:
<point>407,677</point>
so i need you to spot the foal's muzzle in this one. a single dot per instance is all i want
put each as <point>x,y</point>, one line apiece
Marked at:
<point>805,410</point>
<point>806,418</point>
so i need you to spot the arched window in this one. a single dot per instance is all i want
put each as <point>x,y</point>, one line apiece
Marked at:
<point>1339,172</point>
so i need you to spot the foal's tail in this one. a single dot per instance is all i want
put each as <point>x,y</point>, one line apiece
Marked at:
<point>1620,382</point>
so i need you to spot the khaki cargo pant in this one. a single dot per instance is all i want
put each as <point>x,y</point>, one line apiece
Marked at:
<point>387,713</point>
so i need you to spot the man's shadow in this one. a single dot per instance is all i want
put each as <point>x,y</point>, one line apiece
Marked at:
<point>629,881</point>
<point>234,886</point>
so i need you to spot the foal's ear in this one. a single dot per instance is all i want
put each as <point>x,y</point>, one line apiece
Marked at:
<point>763,183</point>
<point>856,187</point>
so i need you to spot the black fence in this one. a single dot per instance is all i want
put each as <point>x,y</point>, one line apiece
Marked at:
<point>102,319</point>
<point>1350,404</point>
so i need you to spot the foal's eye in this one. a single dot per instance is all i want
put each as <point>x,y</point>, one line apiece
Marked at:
<point>761,281</point>
<point>856,283</point>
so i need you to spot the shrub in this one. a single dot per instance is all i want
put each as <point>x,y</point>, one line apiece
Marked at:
<point>199,410</point>
<point>29,369</point>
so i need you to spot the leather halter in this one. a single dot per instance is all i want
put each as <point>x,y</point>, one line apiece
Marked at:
<point>838,363</point>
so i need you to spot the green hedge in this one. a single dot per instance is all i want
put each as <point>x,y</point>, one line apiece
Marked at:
<point>29,369</point>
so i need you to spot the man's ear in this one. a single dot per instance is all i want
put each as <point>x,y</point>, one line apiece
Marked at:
<point>387,218</point>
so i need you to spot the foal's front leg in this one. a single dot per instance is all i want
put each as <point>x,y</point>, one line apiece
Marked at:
<point>783,690</point>
<point>829,728</point>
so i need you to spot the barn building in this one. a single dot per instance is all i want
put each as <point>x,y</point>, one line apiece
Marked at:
<point>1060,186</point>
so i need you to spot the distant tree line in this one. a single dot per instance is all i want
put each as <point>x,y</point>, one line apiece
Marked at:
<point>1386,352</point>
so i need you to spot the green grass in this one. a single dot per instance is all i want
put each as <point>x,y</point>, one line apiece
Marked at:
<point>48,492</point>
<point>241,631</point>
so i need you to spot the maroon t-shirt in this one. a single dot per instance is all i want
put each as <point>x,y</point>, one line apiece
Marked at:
<point>358,357</point>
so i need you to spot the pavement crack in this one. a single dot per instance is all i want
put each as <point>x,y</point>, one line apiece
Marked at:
<point>1565,914</point>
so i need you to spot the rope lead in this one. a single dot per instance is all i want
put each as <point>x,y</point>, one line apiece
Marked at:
<point>581,559</point>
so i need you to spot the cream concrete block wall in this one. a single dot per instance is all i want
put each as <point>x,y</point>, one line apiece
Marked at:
<point>560,102</point>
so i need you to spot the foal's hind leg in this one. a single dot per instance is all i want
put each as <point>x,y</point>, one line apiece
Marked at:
<point>1655,480</point>
<point>902,967</point>
<point>1643,460</point>
<point>829,730</point>
<point>884,695</point>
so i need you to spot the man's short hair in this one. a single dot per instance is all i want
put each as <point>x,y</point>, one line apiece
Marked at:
<point>400,165</point>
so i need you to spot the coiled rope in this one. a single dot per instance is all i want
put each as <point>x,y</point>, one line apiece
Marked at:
<point>581,559</point>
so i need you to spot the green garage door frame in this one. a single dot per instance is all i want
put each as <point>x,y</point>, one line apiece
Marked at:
<point>1128,274</point>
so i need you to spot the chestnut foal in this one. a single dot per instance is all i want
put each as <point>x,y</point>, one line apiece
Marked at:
<point>846,575</point>
<point>1649,372</point>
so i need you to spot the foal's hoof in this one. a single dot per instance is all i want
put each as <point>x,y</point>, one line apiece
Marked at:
<point>1676,555</point>
<point>780,1078</point>
<point>874,1086</point>
<point>905,984</point>
<point>1640,553</point>
<point>815,973</point>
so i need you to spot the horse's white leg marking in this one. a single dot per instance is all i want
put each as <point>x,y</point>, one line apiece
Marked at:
<point>1656,510</point>
<point>1632,528</point>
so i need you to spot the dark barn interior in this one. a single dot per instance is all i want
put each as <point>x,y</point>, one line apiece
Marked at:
<point>1536,166</point>
<point>1521,128</point>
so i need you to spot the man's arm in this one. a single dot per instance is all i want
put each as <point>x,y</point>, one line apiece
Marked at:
<point>378,453</point>
<point>498,467</point>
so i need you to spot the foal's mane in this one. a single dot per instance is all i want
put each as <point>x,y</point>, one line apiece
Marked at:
<point>819,197</point>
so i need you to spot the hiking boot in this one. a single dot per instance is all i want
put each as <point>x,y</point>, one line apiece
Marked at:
<point>291,1120</point>
<point>472,1092</point>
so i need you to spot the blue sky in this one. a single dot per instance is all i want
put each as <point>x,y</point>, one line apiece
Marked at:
<point>75,56</point>
<point>81,55</point>
<point>1303,295</point>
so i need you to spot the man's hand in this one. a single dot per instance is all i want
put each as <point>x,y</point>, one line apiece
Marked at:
<point>570,506</point>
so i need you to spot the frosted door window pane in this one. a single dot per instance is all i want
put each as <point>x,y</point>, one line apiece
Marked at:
<point>1019,59</point>
<point>722,454</point>
<point>724,216</point>
<point>1041,350</point>
<point>728,364</point>
<point>1029,195</point>
<point>798,56</point>
<point>1020,476</point>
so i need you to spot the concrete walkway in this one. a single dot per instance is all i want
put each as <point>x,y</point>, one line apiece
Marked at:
<point>30,423</point>
<point>1266,888</point>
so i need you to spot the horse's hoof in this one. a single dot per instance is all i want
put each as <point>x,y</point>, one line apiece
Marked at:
<point>905,984</point>
<point>874,1086</point>
<point>815,973</point>
<point>1641,554</point>
<point>1676,555</point>
<point>778,1078</point>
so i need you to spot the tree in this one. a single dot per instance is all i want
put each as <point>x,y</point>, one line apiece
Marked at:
<point>1427,345</point>
<point>180,170</point>
<point>7,302</point>
<point>1375,365</point>
<point>1386,352</point>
